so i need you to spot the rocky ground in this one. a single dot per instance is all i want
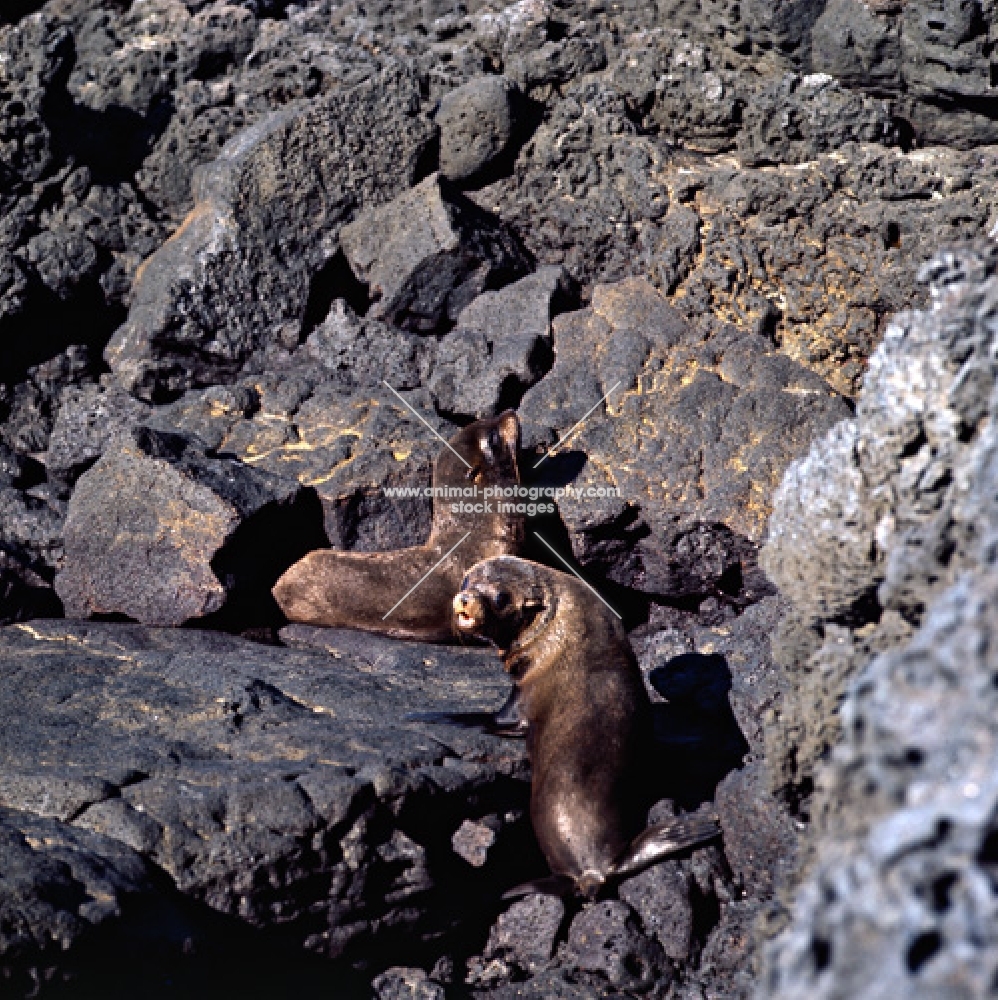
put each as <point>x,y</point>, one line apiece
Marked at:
<point>225,225</point>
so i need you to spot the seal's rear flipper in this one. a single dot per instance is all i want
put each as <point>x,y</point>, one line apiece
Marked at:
<point>663,839</point>
<point>563,886</point>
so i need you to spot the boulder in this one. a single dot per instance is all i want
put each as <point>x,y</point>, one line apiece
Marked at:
<point>428,253</point>
<point>692,435</point>
<point>478,126</point>
<point>250,787</point>
<point>159,533</point>
<point>500,347</point>
<point>267,217</point>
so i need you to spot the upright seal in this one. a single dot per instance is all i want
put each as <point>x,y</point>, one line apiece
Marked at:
<point>578,688</point>
<point>367,590</point>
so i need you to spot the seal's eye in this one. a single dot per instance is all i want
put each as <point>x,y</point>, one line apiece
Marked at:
<point>501,601</point>
<point>464,584</point>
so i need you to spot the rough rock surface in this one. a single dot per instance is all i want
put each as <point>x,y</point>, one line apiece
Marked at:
<point>693,433</point>
<point>898,895</point>
<point>427,254</point>
<point>159,533</point>
<point>718,204</point>
<point>237,267</point>
<point>276,786</point>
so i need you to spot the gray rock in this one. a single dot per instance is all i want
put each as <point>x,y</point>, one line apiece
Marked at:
<point>604,938</point>
<point>159,533</point>
<point>428,253</point>
<point>406,984</point>
<point>857,46</point>
<point>500,347</point>
<point>271,786</point>
<point>61,890</point>
<point>802,117</point>
<point>296,162</point>
<point>478,124</point>
<point>525,934</point>
<point>727,414</point>
<point>661,898</point>
<point>893,899</point>
<point>89,420</point>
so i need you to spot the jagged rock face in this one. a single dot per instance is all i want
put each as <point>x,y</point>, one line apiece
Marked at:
<point>256,214</point>
<point>162,535</point>
<point>898,896</point>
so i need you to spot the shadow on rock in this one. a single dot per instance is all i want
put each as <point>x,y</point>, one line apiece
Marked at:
<point>698,739</point>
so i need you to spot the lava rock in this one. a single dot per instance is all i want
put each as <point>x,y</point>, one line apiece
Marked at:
<point>903,810</point>
<point>428,253</point>
<point>661,898</point>
<point>500,347</point>
<point>670,410</point>
<point>525,934</point>
<point>367,353</point>
<point>311,166</point>
<point>90,419</point>
<point>478,125</point>
<point>62,890</point>
<point>604,938</point>
<point>406,984</point>
<point>801,117</point>
<point>351,447</point>
<point>159,533</point>
<point>266,785</point>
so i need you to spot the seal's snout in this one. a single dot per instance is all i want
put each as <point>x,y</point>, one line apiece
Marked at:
<point>468,610</point>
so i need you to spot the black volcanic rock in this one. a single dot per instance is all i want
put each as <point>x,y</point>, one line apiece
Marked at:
<point>159,533</point>
<point>426,255</point>
<point>236,265</point>
<point>271,785</point>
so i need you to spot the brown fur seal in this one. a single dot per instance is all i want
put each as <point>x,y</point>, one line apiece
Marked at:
<point>588,722</point>
<point>358,589</point>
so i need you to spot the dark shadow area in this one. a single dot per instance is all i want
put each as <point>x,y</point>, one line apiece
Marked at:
<point>112,142</point>
<point>13,10</point>
<point>259,551</point>
<point>334,280</point>
<point>168,947</point>
<point>466,899</point>
<point>697,738</point>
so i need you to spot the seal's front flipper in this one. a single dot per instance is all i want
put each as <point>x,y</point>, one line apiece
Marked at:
<point>504,722</point>
<point>484,721</point>
<point>663,839</point>
<point>563,886</point>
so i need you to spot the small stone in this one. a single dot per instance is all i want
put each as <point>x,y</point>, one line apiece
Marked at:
<point>472,841</point>
<point>477,125</point>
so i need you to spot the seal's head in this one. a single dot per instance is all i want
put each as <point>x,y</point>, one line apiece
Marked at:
<point>499,599</point>
<point>488,449</point>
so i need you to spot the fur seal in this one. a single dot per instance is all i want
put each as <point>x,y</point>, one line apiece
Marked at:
<point>579,690</point>
<point>358,589</point>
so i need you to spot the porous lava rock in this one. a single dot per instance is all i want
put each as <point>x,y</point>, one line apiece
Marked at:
<point>159,533</point>
<point>692,433</point>
<point>478,125</point>
<point>897,894</point>
<point>238,266</point>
